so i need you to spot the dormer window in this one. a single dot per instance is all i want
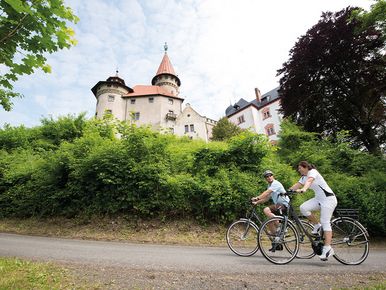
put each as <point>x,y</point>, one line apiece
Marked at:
<point>266,98</point>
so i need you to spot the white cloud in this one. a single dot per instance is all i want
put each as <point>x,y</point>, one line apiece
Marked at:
<point>220,49</point>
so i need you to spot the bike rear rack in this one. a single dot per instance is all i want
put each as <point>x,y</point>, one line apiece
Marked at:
<point>347,212</point>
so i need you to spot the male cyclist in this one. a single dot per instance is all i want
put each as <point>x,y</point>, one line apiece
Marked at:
<point>280,203</point>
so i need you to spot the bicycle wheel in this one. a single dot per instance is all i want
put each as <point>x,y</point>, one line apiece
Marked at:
<point>305,246</point>
<point>241,237</point>
<point>349,241</point>
<point>278,245</point>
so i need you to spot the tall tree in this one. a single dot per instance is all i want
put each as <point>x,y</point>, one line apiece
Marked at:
<point>335,78</point>
<point>28,30</point>
<point>224,130</point>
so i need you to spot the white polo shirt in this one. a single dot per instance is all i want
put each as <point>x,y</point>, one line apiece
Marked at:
<point>278,188</point>
<point>319,185</point>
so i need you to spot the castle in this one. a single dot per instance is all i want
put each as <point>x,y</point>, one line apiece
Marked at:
<point>158,105</point>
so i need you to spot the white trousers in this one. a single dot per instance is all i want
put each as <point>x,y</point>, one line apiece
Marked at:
<point>326,207</point>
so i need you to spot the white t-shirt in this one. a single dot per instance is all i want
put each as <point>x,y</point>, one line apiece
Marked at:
<point>319,185</point>
<point>278,188</point>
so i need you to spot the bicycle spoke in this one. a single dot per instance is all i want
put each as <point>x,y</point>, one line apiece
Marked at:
<point>282,247</point>
<point>349,241</point>
<point>242,238</point>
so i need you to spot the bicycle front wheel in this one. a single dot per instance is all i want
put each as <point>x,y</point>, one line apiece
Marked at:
<point>349,241</point>
<point>277,243</point>
<point>241,237</point>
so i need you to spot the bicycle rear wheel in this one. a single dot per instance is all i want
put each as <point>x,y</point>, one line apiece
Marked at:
<point>349,241</point>
<point>278,245</point>
<point>241,237</point>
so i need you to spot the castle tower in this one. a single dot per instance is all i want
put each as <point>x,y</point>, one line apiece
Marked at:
<point>108,94</point>
<point>166,77</point>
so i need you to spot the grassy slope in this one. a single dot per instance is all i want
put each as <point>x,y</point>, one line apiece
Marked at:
<point>20,274</point>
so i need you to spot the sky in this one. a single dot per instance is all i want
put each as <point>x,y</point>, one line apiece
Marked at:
<point>220,49</point>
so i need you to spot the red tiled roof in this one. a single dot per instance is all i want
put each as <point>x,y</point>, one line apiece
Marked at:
<point>166,66</point>
<point>143,90</point>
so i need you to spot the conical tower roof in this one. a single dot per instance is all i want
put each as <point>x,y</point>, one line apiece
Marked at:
<point>166,68</point>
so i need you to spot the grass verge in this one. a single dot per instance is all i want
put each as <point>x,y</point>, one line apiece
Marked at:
<point>20,274</point>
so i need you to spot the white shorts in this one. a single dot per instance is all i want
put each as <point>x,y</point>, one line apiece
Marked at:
<point>326,207</point>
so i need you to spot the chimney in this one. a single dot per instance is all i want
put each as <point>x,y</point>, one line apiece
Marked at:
<point>258,94</point>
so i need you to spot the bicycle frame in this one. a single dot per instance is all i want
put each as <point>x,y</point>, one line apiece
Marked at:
<point>292,217</point>
<point>252,215</point>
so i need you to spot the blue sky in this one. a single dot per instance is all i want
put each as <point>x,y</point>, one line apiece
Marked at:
<point>220,49</point>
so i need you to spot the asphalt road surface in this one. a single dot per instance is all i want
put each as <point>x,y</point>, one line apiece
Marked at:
<point>150,257</point>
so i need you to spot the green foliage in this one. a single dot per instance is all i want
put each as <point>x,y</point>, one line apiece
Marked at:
<point>29,30</point>
<point>357,178</point>
<point>47,136</point>
<point>224,130</point>
<point>244,152</point>
<point>375,17</point>
<point>84,169</point>
<point>66,128</point>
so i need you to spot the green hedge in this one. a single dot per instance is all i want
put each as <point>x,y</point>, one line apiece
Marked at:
<point>88,171</point>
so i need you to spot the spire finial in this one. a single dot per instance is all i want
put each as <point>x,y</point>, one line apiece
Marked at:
<point>166,47</point>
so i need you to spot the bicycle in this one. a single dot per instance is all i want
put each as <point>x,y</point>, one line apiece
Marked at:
<point>241,235</point>
<point>350,239</point>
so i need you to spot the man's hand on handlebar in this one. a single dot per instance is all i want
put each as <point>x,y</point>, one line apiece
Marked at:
<point>254,200</point>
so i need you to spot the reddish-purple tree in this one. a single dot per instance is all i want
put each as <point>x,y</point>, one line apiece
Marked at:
<point>335,79</point>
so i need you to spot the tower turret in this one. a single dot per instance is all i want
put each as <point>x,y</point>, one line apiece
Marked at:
<point>166,77</point>
<point>108,94</point>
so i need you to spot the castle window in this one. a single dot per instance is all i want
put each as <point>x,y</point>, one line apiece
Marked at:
<point>191,127</point>
<point>108,112</point>
<point>135,116</point>
<point>186,128</point>
<point>171,130</point>
<point>170,101</point>
<point>266,113</point>
<point>241,119</point>
<point>151,100</point>
<point>111,98</point>
<point>270,130</point>
<point>132,101</point>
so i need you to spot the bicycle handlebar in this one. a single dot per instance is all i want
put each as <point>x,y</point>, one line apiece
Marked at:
<point>289,193</point>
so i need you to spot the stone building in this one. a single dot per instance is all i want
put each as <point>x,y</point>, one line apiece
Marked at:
<point>158,105</point>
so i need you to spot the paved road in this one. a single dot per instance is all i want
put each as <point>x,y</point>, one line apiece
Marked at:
<point>175,258</point>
